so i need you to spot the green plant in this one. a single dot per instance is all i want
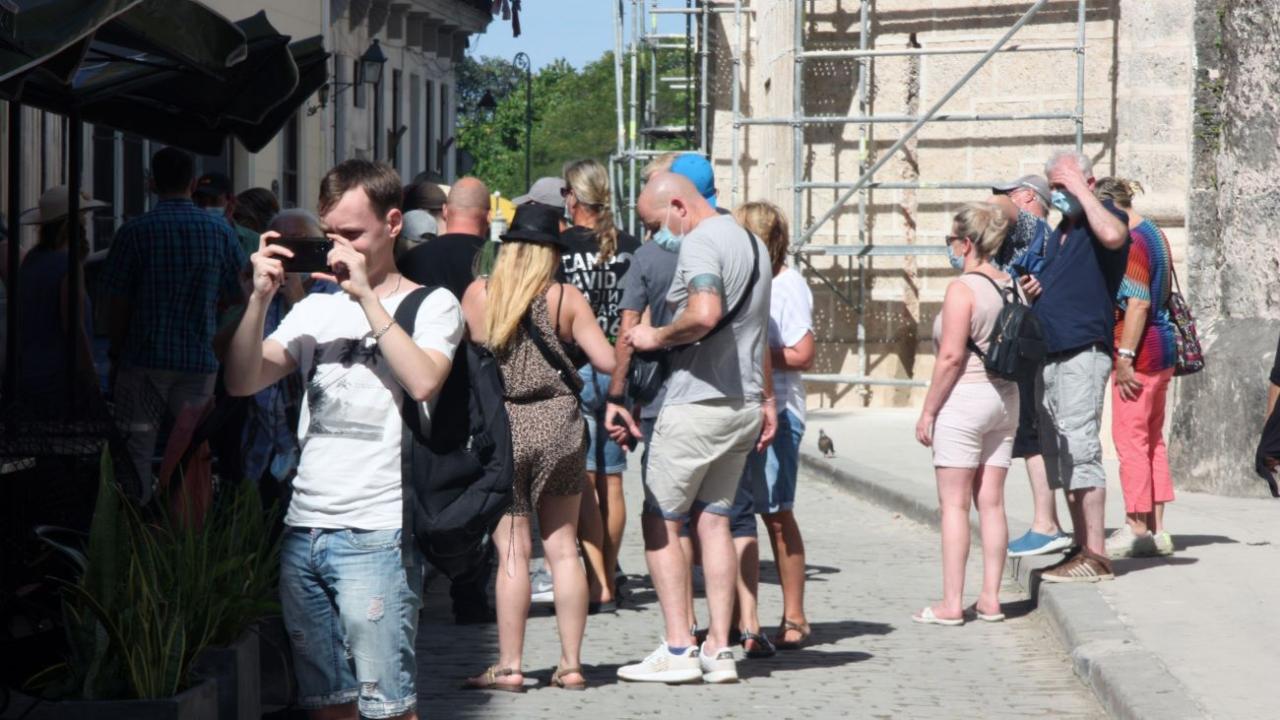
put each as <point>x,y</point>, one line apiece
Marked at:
<point>152,595</point>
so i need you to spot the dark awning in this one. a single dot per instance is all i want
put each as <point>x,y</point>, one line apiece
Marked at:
<point>175,72</point>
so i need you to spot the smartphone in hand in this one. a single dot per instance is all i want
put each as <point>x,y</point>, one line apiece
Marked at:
<point>310,254</point>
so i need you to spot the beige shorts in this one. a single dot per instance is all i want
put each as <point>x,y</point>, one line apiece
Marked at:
<point>976,426</point>
<point>699,450</point>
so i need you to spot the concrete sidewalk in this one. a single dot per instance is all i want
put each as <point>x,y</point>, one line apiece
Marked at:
<point>1193,635</point>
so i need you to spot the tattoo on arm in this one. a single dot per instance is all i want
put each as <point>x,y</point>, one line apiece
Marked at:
<point>707,282</point>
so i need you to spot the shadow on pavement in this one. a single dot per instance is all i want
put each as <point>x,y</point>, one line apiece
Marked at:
<point>1131,565</point>
<point>802,659</point>
<point>812,573</point>
<point>1182,542</point>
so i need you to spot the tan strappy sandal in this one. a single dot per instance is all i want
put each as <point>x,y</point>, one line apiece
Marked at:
<point>557,680</point>
<point>488,680</point>
<point>787,625</point>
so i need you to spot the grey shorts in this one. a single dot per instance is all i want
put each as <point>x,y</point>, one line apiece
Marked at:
<point>1070,397</point>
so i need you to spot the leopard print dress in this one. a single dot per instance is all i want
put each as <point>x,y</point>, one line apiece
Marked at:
<point>546,427</point>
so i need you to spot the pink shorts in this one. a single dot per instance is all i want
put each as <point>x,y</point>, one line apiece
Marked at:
<point>976,425</point>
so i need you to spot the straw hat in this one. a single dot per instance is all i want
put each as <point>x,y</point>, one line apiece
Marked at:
<point>53,206</point>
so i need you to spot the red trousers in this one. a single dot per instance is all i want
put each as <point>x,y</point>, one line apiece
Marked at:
<point>1137,426</point>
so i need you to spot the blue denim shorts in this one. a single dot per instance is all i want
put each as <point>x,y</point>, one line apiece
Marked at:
<point>351,609</point>
<point>771,475</point>
<point>603,454</point>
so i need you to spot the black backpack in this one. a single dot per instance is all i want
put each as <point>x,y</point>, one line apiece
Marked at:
<point>458,480</point>
<point>1016,348</point>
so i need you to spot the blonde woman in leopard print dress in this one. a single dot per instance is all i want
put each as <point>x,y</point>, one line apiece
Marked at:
<point>546,432</point>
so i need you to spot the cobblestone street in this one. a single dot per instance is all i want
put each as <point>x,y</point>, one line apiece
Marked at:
<point>868,570</point>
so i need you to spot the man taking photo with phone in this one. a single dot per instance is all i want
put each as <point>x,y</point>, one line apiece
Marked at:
<point>350,577</point>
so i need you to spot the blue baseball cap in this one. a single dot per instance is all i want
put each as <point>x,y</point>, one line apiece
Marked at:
<point>698,170</point>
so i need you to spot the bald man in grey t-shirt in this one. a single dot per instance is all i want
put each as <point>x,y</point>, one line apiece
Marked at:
<point>719,407</point>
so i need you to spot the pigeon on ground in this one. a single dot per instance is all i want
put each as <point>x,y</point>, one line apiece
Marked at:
<point>827,447</point>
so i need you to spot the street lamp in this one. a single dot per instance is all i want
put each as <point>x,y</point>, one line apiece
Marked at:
<point>522,62</point>
<point>369,70</point>
<point>371,63</point>
<point>487,103</point>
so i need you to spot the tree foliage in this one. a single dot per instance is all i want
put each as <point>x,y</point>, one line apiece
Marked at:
<point>574,116</point>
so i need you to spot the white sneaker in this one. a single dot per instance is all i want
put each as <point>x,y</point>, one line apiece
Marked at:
<point>1164,543</point>
<point>719,669</point>
<point>664,667</point>
<point>541,587</point>
<point>1121,543</point>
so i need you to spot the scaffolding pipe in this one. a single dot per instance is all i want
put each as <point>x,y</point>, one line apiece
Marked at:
<point>864,148</point>
<point>650,111</point>
<point>704,104</point>
<point>905,185</point>
<point>797,130</point>
<point>684,11</point>
<point>735,161</point>
<point>915,128</point>
<point>877,119</point>
<point>1080,39</point>
<point>862,380</point>
<point>871,250</point>
<point>632,123</point>
<point>617,83</point>
<point>914,52</point>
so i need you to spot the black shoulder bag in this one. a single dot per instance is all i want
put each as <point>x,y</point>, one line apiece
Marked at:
<point>649,370</point>
<point>567,373</point>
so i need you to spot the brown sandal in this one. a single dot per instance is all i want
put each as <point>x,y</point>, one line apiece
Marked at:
<point>488,680</point>
<point>781,644</point>
<point>557,680</point>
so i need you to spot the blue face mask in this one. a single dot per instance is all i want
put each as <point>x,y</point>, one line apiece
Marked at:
<point>1066,203</point>
<point>217,212</point>
<point>957,261</point>
<point>666,239</point>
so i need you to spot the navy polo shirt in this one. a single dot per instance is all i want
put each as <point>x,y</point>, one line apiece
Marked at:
<point>1079,281</point>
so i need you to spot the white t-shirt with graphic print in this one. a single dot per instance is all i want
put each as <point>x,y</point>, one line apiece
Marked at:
<point>350,426</point>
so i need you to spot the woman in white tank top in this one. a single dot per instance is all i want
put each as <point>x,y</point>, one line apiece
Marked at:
<point>969,418</point>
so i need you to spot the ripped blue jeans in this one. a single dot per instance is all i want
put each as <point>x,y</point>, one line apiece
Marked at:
<point>351,609</point>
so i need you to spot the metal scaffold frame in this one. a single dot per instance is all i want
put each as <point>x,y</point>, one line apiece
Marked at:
<point>633,146</point>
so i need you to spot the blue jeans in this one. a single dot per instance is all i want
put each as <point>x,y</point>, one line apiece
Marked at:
<point>603,454</point>
<point>351,609</point>
<point>770,476</point>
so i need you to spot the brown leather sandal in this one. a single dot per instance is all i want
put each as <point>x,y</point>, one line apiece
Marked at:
<point>557,679</point>
<point>488,680</point>
<point>781,644</point>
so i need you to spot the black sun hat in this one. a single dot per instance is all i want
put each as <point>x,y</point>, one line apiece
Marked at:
<point>535,223</point>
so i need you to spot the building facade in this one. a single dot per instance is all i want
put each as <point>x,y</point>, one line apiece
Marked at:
<point>1136,95</point>
<point>407,117</point>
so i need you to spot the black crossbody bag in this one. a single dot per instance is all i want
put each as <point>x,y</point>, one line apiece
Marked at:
<point>649,371</point>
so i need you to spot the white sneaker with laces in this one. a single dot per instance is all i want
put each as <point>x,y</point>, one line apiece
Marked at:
<point>1121,543</point>
<point>664,667</point>
<point>1164,543</point>
<point>719,669</point>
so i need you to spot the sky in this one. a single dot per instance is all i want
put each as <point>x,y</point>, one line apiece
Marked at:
<point>577,30</point>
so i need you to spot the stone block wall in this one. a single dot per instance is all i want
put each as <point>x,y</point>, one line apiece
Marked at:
<point>1234,256</point>
<point>1138,123</point>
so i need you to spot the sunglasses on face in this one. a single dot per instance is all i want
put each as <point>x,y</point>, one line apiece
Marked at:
<point>954,238</point>
<point>564,191</point>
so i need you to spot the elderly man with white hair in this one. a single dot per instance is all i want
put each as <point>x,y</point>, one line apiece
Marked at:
<point>719,406</point>
<point>1085,260</point>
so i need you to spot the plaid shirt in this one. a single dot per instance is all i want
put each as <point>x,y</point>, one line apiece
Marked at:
<point>173,264</point>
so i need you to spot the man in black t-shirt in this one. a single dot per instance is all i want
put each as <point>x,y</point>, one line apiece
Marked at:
<point>447,261</point>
